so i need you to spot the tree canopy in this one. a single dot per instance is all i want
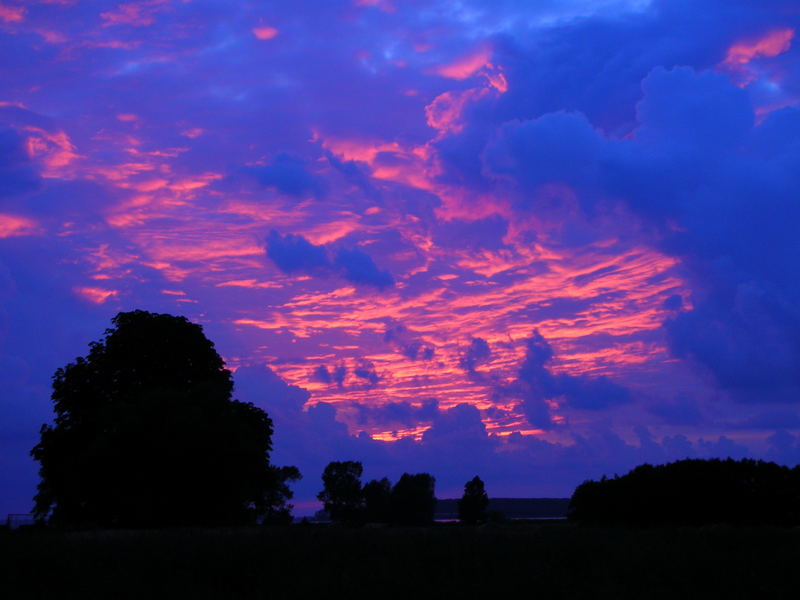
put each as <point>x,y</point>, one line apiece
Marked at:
<point>693,491</point>
<point>377,498</point>
<point>146,434</point>
<point>275,508</point>
<point>342,494</point>
<point>412,500</point>
<point>473,504</point>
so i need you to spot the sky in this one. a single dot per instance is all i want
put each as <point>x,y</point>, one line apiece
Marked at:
<point>537,242</point>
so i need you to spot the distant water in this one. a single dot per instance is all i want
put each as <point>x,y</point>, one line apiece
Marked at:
<point>512,508</point>
<point>512,519</point>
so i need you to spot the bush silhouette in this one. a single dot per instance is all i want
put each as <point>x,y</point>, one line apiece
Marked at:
<point>693,491</point>
<point>473,504</point>
<point>146,434</point>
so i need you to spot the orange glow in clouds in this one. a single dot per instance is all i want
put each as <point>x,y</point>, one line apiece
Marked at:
<point>600,306</point>
<point>774,43</point>
<point>12,225</point>
<point>54,149</point>
<point>467,65</point>
<point>741,54</point>
<point>137,14</point>
<point>11,14</point>
<point>194,132</point>
<point>95,295</point>
<point>615,288</point>
<point>264,32</point>
<point>476,62</point>
<point>383,5</point>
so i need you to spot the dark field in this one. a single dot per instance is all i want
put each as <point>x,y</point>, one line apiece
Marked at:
<point>556,560</point>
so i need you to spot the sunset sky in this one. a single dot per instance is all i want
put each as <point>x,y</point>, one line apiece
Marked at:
<point>532,241</point>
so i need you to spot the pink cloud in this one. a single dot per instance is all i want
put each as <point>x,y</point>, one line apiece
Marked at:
<point>741,54</point>
<point>192,133</point>
<point>137,14</point>
<point>772,44</point>
<point>95,295</point>
<point>445,112</point>
<point>467,65</point>
<point>264,32</point>
<point>54,148</point>
<point>383,5</point>
<point>14,225</point>
<point>11,14</point>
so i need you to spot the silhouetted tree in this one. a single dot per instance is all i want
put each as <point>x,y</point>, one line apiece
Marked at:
<point>412,500</point>
<point>341,493</point>
<point>276,509</point>
<point>146,433</point>
<point>377,495</point>
<point>693,491</point>
<point>473,504</point>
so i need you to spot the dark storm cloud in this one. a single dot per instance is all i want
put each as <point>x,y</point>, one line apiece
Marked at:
<point>679,412</point>
<point>458,430</point>
<point>324,374</point>
<point>749,338</point>
<point>17,172</point>
<point>699,161</point>
<point>557,147</point>
<point>364,369</point>
<point>357,266</point>
<point>407,342</point>
<point>393,414</point>
<point>784,448</point>
<point>289,175</point>
<point>770,421</point>
<point>293,253</point>
<point>477,352</point>
<point>260,385</point>
<point>536,384</point>
<point>596,65</point>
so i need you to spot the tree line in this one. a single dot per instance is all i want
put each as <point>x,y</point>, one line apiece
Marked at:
<point>693,492</point>
<point>147,434</point>
<point>411,501</point>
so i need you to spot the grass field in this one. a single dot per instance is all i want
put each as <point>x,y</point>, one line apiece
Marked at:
<point>548,561</point>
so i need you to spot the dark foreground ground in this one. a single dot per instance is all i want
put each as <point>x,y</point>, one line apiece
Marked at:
<point>547,561</point>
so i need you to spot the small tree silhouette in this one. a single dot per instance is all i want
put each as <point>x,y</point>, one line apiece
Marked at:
<point>473,504</point>
<point>341,493</point>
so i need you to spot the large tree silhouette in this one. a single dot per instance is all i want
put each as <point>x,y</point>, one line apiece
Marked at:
<point>146,434</point>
